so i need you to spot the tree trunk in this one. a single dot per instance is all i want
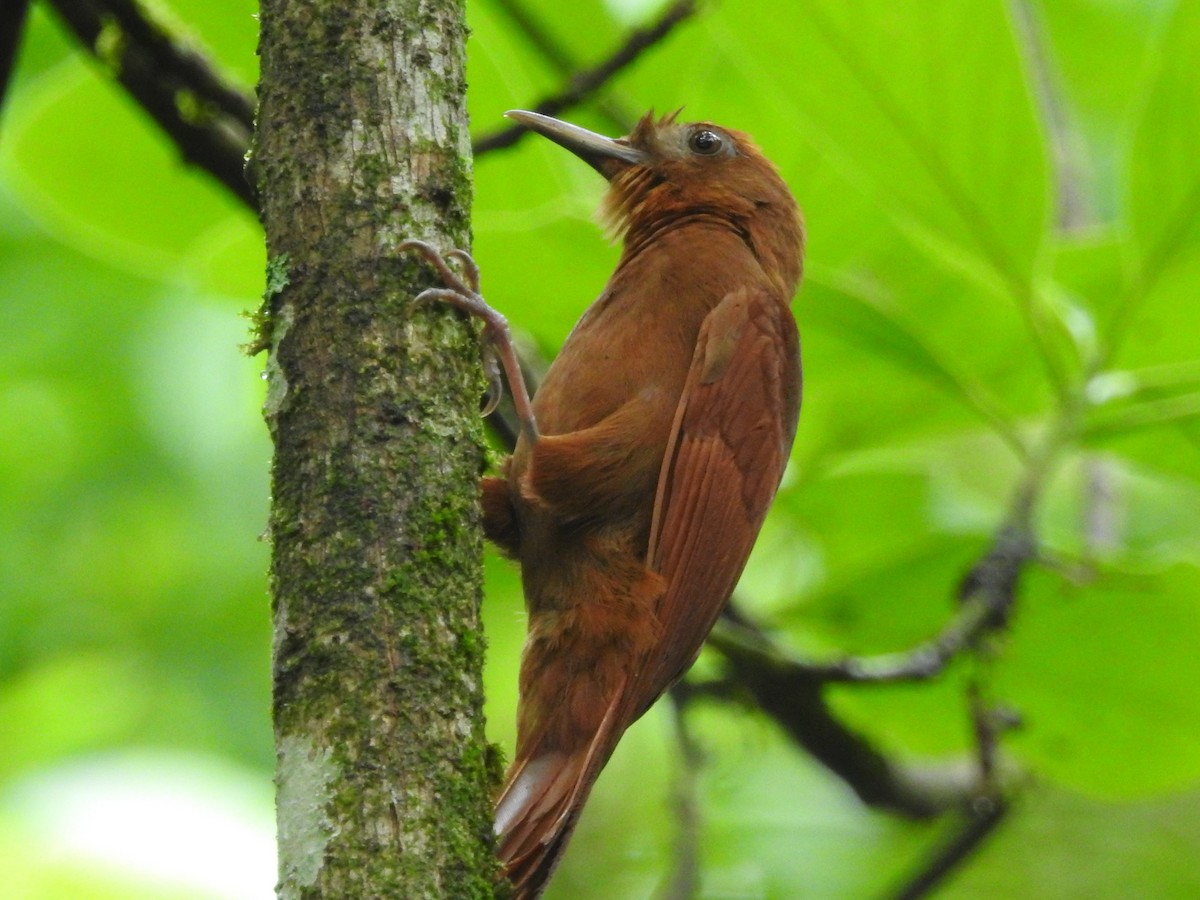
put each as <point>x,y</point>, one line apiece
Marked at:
<point>383,775</point>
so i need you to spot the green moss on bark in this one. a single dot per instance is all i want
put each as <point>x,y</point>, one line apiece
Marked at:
<point>372,403</point>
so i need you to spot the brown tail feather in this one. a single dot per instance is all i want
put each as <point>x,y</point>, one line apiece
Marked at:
<point>540,806</point>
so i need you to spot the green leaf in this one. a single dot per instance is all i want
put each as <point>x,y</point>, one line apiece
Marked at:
<point>224,31</point>
<point>38,709</point>
<point>957,161</point>
<point>1087,266</point>
<point>43,46</point>
<point>930,189</point>
<point>230,258</point>
<point>101,175</point>
<point>586,36</point>
<point>1155,320</point>
<point>1153,413</point>
<point>778,825</point>
<point>1104,507</point>
<point>1164,180</point>
<point>879,327</point>
<point>1057,844</point>
<point>1108,681</point>
<point>503,70</point>
<point>543,257</point>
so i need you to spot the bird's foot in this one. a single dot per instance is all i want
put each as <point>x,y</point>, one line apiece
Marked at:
<point>462,291</point>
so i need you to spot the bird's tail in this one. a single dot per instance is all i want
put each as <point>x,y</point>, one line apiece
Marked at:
<point>540,806</point>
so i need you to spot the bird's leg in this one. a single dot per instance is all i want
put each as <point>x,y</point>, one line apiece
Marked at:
<point>497,339</point>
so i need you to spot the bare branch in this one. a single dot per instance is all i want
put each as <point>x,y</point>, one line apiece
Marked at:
<point>795,699</point>
<point>587,82</point>
<point>559,57</point>
<point>982,818</point>
<point>12,25</point>
<point>190,66</point>
<point>209,119</point>
<point>684,880</point>
<point>790,690</point>
<point>987,593</point>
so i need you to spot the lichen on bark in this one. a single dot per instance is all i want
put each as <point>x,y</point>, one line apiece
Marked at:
<point>372,404</point>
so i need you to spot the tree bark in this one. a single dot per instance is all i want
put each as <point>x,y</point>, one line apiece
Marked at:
<point>383,768</point>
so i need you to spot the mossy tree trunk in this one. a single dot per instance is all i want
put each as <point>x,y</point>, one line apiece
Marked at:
<point>372,402</point>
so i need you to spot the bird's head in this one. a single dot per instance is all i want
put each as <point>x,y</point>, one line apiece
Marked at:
<point>666,169</point>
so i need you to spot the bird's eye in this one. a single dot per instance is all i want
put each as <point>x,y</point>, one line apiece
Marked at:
<point>705,142</point>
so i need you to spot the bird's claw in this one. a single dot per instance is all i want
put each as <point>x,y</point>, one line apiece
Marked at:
<point>457,292</point>
<point>462,291</point>
<point>495,389</point>
<point>469,266</point>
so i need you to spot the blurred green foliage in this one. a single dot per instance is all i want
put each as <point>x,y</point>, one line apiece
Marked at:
<point>1002,203</point>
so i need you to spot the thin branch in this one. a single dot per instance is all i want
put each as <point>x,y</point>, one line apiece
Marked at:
<point>794,697</point>
<point>210,120</point>
<point>187,64</point>
<point>987,593</point>
<point>558,56</point>
<point>213,123</point>
<point>795,700</point>
<point>587,82</point>
<point>684,879</point>
<point>12,26</point>
<point>983,818</point>
<point>982,815</point>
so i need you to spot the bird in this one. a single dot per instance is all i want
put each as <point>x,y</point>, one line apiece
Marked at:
<point>647,458</point>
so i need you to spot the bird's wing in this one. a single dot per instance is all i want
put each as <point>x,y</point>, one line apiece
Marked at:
<point>729,444</point>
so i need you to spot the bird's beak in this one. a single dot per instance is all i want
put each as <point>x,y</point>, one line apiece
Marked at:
<point>606,155</point>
